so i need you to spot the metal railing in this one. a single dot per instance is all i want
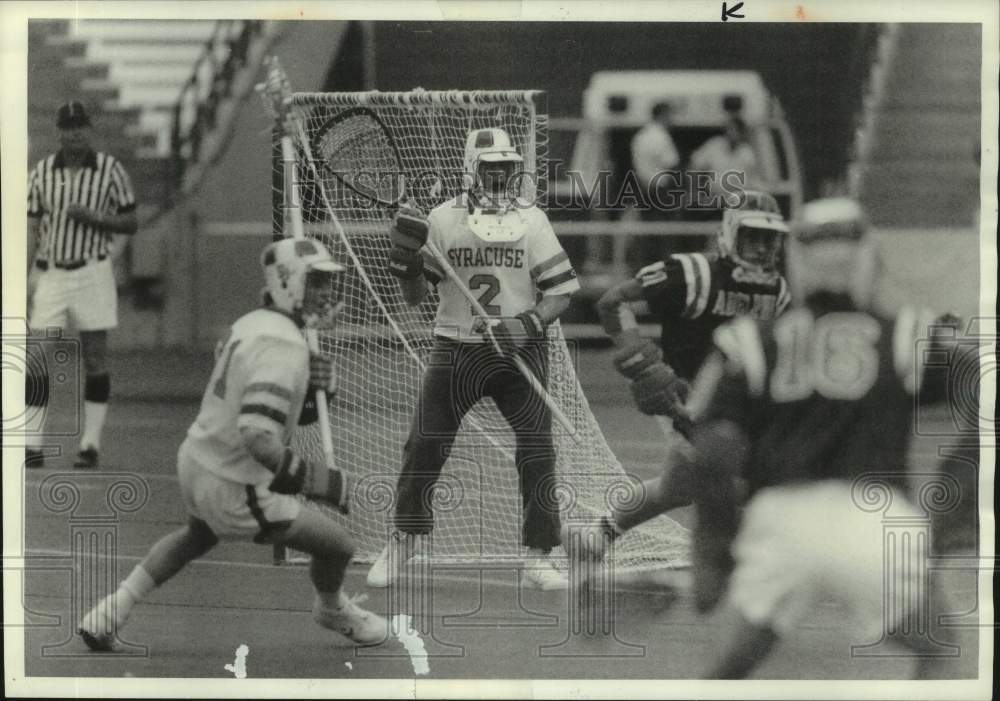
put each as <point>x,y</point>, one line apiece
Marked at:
<point>880,53</point>
<point>211,82</point>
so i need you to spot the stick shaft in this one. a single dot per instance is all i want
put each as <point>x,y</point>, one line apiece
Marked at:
<point>312,337</point>
<point>536,385</point>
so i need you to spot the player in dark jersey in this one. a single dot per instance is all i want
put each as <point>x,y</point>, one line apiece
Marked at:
<point>811,410</point>
<point>691,294</point>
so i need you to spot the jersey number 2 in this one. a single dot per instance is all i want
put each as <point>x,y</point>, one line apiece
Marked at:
<point>492,285</point>
<point>834,356</point>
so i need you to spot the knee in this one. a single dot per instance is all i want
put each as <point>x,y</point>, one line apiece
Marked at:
<point>200,536</point>
<point>97,387</point>
<point>335,552</point>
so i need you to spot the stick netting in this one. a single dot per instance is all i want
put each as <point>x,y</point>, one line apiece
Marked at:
<point>381,344</point>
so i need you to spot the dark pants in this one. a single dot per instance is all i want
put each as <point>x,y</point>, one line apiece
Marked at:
<point>457,376</point>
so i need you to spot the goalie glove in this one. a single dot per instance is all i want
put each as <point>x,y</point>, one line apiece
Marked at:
<point>655,388</point>
<point>408,235</point>
<point>514,332</point>
<point>297,475</point>
<point>322,375</point>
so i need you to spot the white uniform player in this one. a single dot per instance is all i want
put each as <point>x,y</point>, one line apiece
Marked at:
<point>236,470</point>
<point>504,251</point>
<point>260,381</point>
<point>504,275</point>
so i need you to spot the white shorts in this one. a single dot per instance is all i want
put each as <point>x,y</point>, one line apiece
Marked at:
<point>804,543</point>
<point>233,509</point>
<point>86,297</point>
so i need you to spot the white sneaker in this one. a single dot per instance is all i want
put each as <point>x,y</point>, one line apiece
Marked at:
<point>401,548</point>
<point>541,572</point>
<point>358,625</point>
<point>100,626</point>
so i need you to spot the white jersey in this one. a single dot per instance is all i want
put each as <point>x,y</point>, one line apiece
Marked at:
<point>260,379</point>
<point>506,277</point>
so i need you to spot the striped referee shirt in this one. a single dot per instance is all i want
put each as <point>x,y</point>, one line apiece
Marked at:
<point>101,184</point>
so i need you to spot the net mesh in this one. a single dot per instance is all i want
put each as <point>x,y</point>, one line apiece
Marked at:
<point>381,344</point>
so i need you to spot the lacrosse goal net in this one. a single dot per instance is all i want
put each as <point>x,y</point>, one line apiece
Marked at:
<point>381,344</point>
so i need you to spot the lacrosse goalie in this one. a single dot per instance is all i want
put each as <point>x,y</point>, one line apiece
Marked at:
<point>503,250</point>
<point>237,473</point>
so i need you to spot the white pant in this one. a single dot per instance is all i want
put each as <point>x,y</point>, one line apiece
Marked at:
<point>801,543</point>
<point>232,509</point>
<point>86,297</point>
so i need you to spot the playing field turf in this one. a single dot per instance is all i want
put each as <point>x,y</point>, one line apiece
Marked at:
<point>473,623</point>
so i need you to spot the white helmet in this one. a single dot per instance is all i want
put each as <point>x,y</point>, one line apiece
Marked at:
<point>487,146</point>
<point>756,214</point>
<point>288,266</point>
<point>832,251</point>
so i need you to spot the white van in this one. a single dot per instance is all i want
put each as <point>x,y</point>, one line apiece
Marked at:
<point>617,103</point>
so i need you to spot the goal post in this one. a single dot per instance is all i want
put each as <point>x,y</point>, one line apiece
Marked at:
<point>381,346</point>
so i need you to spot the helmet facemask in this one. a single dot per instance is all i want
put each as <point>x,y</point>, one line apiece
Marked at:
<point>321,304</point>
<point>754,241</point>
<point>299,277</point>
<point>758,249</point>
<point>498,180</point>
<point>492,168</point>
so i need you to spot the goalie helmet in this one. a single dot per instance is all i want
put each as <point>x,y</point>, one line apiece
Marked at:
<point>832,252</point>
<point>490,218</point>
<point>299,275</point>
<point>753,234</point>
<point>484,146</point>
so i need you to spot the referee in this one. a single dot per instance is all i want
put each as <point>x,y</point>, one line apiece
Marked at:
<point>77,198</point>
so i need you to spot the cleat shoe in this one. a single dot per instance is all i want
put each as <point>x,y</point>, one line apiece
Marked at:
<point>358,625</point>
<point>86,459</point>
<point>386,569</point>
<point>541,572</point>
<point>33,459</point>
<point>99,627</point>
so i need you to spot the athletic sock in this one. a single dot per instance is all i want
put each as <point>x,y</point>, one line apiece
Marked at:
<point>96,392</point>
<point>139,583</point>
<point>94,414</point>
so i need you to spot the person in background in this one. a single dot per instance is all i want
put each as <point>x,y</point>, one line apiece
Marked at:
<point>653,153</point>
<point>730,152</point>
<point>77,199</point>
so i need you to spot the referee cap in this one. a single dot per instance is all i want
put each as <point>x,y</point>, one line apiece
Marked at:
<point>72,115</point>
